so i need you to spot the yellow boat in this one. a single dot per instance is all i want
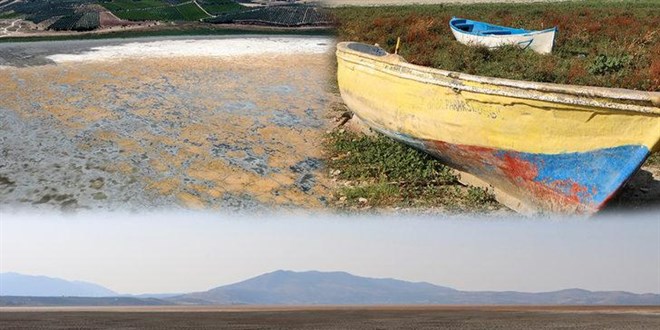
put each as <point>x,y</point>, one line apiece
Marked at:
<point>542,147</point>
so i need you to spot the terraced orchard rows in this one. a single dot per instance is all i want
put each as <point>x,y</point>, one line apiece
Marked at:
<point>74,14</point>
<point>279,15</point>
<point>77,22</point>
<point>174,10</point>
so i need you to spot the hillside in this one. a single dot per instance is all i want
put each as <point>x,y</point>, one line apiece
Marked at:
<point>339,288</point>
<point>30,16</point>
<point>14,301</point>
<point>14,284</point>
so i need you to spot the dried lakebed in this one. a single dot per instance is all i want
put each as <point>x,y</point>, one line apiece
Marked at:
<point>164,123</point>
<point>336,317</point>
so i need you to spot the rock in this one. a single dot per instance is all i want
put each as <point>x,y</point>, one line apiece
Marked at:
<point>363,200</point>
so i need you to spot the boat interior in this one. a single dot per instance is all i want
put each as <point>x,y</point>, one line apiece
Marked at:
<point>481,28</point>
<point>463,25</point>
<point>367,49</point>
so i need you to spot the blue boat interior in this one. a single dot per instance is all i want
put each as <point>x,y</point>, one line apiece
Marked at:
<point>480,28</point>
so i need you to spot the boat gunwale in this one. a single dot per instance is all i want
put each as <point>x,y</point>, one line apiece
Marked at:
<point>568,94</point>
<point>526,33</point>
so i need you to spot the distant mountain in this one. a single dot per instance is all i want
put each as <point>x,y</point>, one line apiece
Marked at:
<point>339,288</point>
<point>13,301</point>
<point>298,288</point>
<point>14,284</point>
<point>286,287</point>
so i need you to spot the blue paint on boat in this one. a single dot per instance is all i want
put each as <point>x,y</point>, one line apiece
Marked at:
<point>485,29</point>
<point>597,173</point>
<point>584,179</point>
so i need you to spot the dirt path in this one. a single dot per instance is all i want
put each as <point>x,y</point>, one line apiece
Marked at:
<point>5,32</point>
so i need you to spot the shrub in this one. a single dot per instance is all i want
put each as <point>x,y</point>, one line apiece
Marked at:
<point>604,64</point>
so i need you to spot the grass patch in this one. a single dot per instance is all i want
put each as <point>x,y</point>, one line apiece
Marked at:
<point>608,44</point>
<point>379,172</point>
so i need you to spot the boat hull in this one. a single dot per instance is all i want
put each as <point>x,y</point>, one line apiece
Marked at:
<point>550,151</point>
<point>538,41</point>
<point>493,36</point>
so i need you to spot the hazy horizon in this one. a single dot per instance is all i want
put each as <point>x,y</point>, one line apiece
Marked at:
<point>194,251</point>
<point>297,271</point>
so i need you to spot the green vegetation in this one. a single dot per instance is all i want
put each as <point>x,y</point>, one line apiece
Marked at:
<point>38,11</point>
<point>9,15</point>
<point>155,10</point>
<point>78,22</point>
<point>122,5</point>
<point>609,44</point>
<point>152,14</point>
<point>190,12</point>
<point>219,7</point>
<point>67,12</point>
<point>278,16</point>
<point>609,64</point>
<point>379,172</point>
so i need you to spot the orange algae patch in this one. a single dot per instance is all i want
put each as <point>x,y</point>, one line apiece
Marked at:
<point>165,187</point>
<point>190,200</point>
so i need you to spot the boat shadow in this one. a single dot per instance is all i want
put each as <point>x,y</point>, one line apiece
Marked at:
<point>641,193</point>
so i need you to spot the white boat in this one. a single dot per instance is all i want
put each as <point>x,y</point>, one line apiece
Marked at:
<point>476,33</point>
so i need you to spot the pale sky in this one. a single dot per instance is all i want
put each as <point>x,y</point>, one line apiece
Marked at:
<point>187,251</point>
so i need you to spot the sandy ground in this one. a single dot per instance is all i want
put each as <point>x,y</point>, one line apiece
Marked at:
<point>410,317</point>
<point>338,3</point>
<point>207,123</point>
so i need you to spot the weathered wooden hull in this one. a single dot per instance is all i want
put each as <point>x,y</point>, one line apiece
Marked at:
<point>550,147</point>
